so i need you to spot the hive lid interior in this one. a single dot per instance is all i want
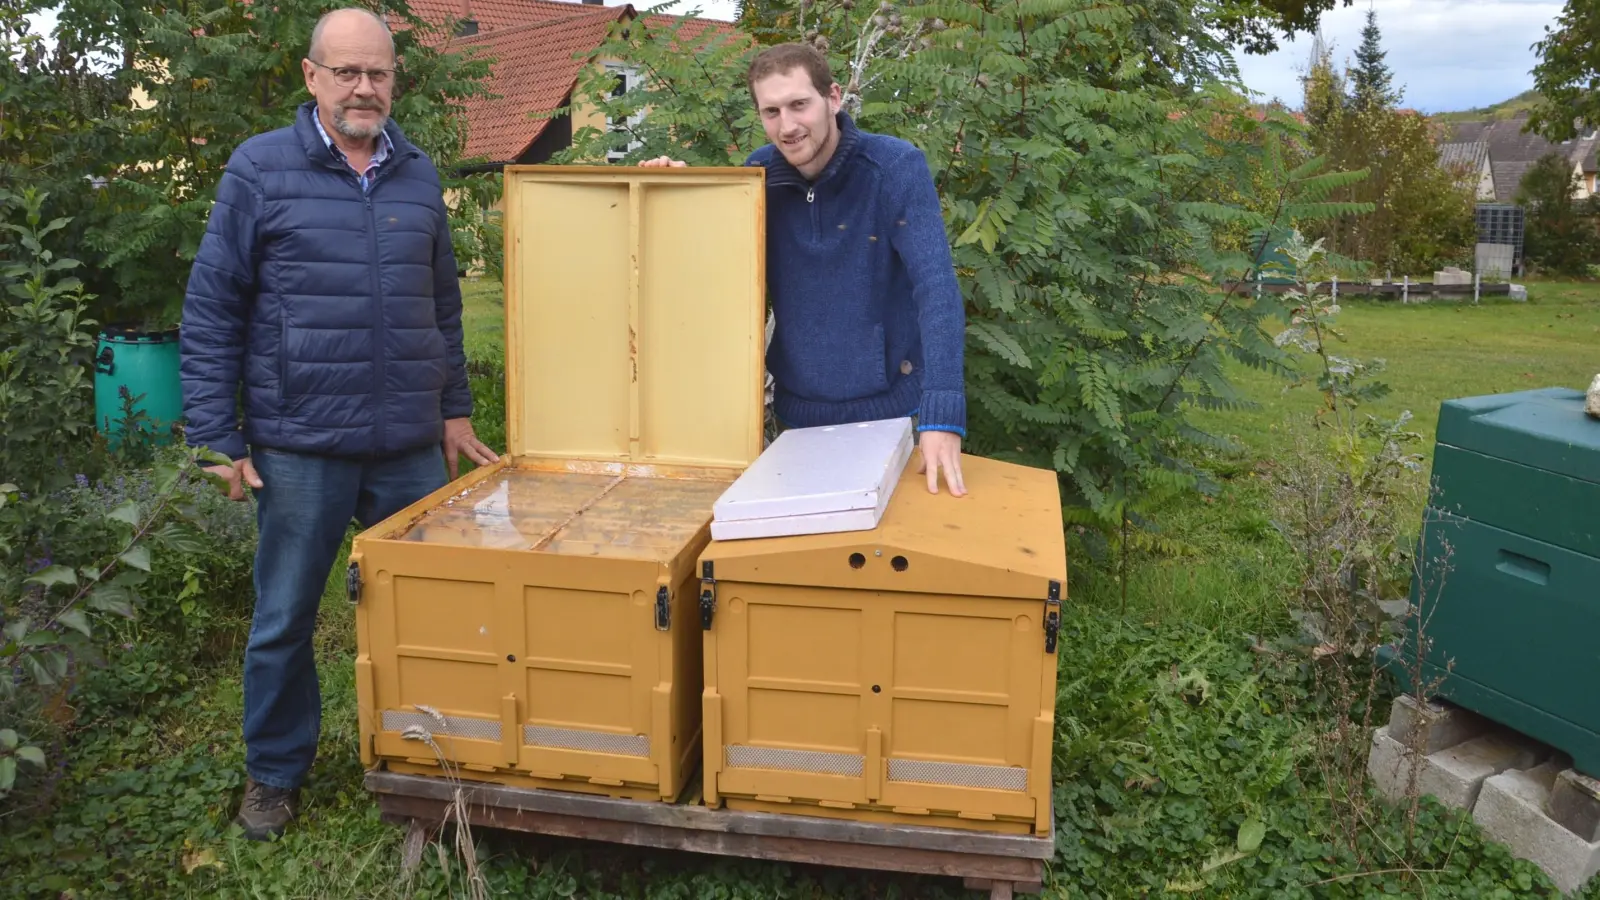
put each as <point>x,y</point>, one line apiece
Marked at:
<point>635,305</point>
<point>807,471</point>
<point>1543,429</point>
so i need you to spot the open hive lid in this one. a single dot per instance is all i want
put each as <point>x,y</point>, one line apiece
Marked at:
<point>635,303</point>
<point>1542,429</point>
<point>1005,538</point>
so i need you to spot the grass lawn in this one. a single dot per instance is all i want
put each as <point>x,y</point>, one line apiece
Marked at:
<point>1439,351</point>
<point>1175,739</point>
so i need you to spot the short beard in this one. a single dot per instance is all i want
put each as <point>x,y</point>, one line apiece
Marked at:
<point>351,130</point>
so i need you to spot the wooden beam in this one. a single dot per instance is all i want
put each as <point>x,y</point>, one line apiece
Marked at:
<point>721,843</point>
<point>693,817</point>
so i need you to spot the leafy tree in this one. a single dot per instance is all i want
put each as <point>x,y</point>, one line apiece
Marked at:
<point>1371,83</point>
<point>1254,25</point>
<point>1079,181</point>
<point>1561,236</point>
<point>1566,73</point>
<point>1421,217</point>
<point>57,107</point>
<point>207,74</point>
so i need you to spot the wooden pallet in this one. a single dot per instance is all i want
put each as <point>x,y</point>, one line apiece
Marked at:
<point>1001,864</point>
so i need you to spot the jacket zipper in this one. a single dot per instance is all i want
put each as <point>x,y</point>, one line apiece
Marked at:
<point>816,221</point>
<point>377,296</point>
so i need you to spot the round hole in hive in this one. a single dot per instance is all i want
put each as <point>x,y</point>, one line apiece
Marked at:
<point>899,563</point>
<point>857,560</point>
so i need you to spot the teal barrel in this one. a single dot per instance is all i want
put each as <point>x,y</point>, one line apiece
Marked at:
<point>146,363</point>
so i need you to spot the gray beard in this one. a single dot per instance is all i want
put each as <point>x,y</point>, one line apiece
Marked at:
<point>359,132</point>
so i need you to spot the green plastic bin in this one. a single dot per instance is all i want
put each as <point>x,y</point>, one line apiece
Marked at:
<point>146,363</point>
<point>1509,586</point>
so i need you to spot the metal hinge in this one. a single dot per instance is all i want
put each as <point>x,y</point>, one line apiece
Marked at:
<point>1052,617</point>
<point>352,582</point>
<point>663,609</point>
<point>708,594</point>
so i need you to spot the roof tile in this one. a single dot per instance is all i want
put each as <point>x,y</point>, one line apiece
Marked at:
<point>539,48</point>
<point>535,67</point>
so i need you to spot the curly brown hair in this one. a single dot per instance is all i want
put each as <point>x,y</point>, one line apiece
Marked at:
<point>784,58</point>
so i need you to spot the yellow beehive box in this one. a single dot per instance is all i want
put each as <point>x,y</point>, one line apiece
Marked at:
<point>535,623</point>
<point>905,674</point>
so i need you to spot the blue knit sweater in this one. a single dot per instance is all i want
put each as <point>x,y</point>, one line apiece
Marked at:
<point>870,320</point>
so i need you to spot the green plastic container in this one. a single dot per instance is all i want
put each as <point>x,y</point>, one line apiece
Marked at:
<point>1509,586</point>
<point>146,363</point>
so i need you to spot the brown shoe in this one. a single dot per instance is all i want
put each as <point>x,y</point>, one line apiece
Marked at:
<point>266,811</point>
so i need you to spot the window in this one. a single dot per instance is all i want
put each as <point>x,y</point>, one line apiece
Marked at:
<point>627,78</point>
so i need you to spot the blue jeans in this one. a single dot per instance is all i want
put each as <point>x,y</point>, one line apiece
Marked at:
<point>303,508</point>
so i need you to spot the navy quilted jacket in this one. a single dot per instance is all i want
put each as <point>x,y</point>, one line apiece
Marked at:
<point>338,313</point>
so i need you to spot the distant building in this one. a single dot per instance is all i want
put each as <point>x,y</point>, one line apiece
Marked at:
<point>1509,152</point>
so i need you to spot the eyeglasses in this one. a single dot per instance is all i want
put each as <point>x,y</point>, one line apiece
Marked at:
<point>345,76</point>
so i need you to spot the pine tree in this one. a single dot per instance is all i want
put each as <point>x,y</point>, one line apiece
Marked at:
<point>1371,80</point>
<point>1420,218</point>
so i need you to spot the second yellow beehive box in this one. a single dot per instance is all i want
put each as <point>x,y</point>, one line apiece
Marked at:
<point>905,674</point>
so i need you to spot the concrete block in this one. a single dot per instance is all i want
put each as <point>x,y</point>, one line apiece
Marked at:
<point>1454,775</point>
<point>1511,810</point>
<point>1575,803</point>
<point>1493,261</point>
<point>1432,726</point>
<point>1452,275</point>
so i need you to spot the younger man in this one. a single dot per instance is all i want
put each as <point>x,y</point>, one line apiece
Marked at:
<point>869,319</point>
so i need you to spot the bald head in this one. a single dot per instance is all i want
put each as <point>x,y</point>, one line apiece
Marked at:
<point>350,25</point>
<point>350,72</point>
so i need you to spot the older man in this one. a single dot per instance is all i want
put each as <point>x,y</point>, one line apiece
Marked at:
<point>325,287</point>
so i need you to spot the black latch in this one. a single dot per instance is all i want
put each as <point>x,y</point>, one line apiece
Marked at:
<point>708,592</point>
<point>352,582</point>
<point>1052,617</point>
<point>708,605</point>
<point>663,609</point>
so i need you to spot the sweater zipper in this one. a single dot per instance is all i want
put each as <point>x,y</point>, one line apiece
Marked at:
<point>816,223</point>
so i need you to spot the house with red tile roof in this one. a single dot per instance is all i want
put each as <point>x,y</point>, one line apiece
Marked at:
<point>538,49</point>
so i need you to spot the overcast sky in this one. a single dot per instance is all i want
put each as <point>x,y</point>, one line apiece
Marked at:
<point>1445,54</point>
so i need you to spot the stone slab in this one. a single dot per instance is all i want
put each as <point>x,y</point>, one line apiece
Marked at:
<point>1575,804</point>
<point>1434,725</point>
<point>1454,775</point>
<point>1511,810</point>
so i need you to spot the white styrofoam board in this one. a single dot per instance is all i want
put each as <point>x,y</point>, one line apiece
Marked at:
<point>830,469</point>
<point>787,526</point>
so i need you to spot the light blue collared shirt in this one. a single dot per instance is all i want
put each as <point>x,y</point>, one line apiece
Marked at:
<point>385,147</point>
